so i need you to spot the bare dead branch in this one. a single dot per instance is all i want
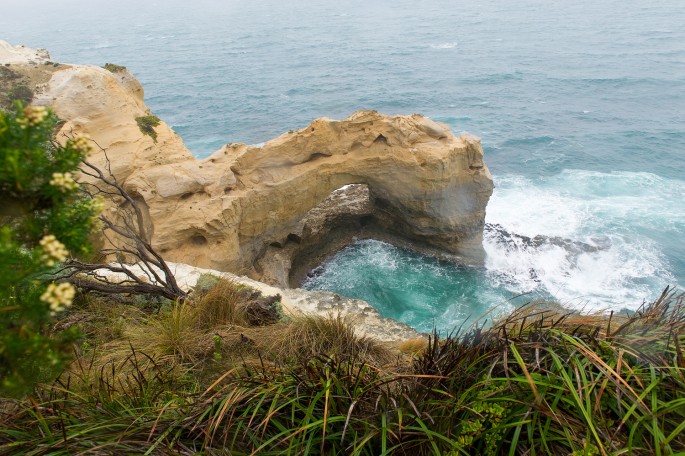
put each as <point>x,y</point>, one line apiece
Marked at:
<point>137,267</point>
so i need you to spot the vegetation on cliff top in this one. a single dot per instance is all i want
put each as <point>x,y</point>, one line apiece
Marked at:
<point>222,371</point>
<point>160,379</point>
<point>114,68</point>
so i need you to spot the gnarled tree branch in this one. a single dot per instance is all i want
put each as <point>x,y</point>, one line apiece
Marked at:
<point>135,267</point>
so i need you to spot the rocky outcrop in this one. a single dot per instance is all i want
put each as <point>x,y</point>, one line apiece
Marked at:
<point>22,54</point>
<point>425,185</point>
<point>297,302</point>
<point>224,212</point>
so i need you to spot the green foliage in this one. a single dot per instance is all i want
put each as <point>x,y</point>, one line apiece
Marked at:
<point>43,219</point>
<point>20,93</point>
<point>205,283</point>
<point>114,68</point>
<point>6,73</point>
<point>147,125</point>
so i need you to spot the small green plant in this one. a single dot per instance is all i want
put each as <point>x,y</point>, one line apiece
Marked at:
<point>205,283</point>
<point>147,125</point>
<point>114,68</point>
<point>218,343</point>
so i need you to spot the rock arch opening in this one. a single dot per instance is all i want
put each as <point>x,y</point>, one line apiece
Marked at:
<point>345,215</point>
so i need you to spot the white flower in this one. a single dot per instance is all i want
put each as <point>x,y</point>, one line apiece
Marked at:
<point>97,204</point>
<point>81,143</point>
<point>58,297</point>
<point>63,181</point>
<point>33,115</point>
<point>54,250</point>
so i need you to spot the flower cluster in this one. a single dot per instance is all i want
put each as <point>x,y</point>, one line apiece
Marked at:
<point>33,115</point>
<point>63,181</point>
<point>81,143</point>
<point>54,250</point>
<point>58,296</point>
<point>98,205</point>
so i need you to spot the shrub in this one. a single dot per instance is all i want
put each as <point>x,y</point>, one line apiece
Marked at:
<point>114,68</point>
<point>205,283</point>
<point>147,125</point>
<point>44,219</point>
<point>20,93</point>
<point>6,73</point>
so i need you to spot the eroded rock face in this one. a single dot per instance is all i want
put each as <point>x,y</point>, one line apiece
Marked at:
<point>225,211</point>
<point>426,185</point>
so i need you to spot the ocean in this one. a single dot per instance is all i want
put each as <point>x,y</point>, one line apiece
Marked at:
<point>580,107</point>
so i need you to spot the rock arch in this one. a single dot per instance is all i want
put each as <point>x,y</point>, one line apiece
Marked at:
<point>427,186</point>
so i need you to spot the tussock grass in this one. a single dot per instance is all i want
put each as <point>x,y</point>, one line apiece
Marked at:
<point>540,381</point>
<point>170,334</point>
<point>308,336</point>
<point>223,304</point>
<point>413,346</point>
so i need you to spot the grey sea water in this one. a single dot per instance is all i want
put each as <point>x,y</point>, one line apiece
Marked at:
<point>580,106</point>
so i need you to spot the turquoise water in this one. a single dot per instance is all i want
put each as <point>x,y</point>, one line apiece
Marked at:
<point>410,287</point>
<point>581,107</point>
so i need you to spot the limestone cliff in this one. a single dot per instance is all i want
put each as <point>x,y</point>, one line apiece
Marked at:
<point>425,184</point>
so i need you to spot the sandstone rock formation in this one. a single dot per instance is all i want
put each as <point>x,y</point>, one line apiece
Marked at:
<point>21,54</point>
<point>425,185</point>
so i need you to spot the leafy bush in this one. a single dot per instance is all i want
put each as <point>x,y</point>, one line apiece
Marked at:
<point>147,125</point>
<point>6,73</point>
<point>114,68</point>
<point>43,220</point>
<point>20,93</point>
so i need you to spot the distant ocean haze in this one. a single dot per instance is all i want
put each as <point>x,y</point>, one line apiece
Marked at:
<point>580,107</point>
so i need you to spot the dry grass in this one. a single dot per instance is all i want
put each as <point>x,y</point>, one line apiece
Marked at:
<point>541,381</point>
<point>222,305</point>
<point>413,346</point>
<point>170,338</point>
<point>307,336</point>
<point>102,321</point>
